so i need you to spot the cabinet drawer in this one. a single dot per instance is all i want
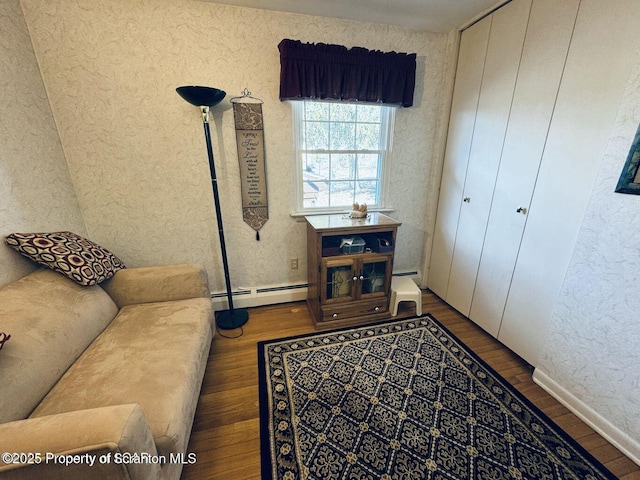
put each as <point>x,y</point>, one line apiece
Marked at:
<point>374,307</point>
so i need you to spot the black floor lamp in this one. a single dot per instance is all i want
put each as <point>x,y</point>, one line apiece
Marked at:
<point>206,97</point>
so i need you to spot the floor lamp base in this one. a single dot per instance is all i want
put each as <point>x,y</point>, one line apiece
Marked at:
<point>228,321</point>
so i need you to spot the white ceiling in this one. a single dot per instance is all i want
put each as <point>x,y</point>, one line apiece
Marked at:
<point>433,15</point>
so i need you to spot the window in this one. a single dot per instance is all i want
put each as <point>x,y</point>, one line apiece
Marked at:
<point>341,154</point>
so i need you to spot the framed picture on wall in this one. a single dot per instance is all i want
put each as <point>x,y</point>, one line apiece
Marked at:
<point>629,181</point>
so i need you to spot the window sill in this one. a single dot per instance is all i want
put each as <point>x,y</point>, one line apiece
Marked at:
<point>299,216</point>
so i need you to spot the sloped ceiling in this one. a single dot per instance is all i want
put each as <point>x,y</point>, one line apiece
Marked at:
<point>432,15</point>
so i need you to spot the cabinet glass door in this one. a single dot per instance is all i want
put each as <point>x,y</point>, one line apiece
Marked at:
<point>373,276</point>
<point>339,281</point>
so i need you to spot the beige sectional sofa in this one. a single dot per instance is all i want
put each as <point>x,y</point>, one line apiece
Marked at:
<point>107,376</point>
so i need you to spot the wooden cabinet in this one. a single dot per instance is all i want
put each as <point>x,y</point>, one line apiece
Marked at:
<point>349,288</point>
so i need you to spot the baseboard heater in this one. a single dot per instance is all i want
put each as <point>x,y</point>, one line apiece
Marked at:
<point>255,297</point>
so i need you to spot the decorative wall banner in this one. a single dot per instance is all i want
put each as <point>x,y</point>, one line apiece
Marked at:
<point>251,157</point>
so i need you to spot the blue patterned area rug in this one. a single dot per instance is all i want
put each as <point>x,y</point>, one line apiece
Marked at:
<point>402,400</point>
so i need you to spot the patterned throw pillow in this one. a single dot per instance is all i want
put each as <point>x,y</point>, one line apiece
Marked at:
<point>80,259</point>
<point>4,338</point>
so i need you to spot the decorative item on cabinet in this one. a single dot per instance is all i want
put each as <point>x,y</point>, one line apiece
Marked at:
<point>358,211</point>
<point>350,245</point>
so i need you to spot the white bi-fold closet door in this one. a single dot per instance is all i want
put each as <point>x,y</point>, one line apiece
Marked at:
<point>509,70</point>
<point>549,31</point>
<point>507,28</point>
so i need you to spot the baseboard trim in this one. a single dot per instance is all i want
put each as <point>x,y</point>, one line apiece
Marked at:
<point>615,436</point>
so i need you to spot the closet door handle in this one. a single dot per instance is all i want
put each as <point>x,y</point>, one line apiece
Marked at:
<point>466,199</point>
<point>522,210</point>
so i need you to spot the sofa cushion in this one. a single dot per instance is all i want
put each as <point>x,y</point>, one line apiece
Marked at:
<point>52,320</point>
<point>83,261</point>
<point>152,354</point>
<point>157,284</point>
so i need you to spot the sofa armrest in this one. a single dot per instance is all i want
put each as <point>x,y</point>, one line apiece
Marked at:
<point>105,435</point>
<point>157,284</point>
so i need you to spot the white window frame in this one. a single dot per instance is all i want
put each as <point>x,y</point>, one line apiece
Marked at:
<point>387,114</point>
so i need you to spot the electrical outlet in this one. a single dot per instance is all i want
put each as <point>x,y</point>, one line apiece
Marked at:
<point>293,264</point>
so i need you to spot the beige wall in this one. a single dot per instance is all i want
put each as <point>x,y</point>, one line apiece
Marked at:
<point>36,193</point>
<point>136,150</point>
<point>592,347</point>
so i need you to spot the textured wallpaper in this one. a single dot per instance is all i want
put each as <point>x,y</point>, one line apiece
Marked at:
<point>36,193</point>
<point>136,155</point>
<point>593,346</point>
<point>136,150</point>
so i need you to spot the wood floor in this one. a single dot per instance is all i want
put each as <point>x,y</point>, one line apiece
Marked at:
<point>226,431</point>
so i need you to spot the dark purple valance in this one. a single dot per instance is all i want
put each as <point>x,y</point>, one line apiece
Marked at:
<point>333,72</point>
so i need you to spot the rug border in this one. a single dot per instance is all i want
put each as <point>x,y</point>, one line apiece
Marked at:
<point>263,411</point>
<point>263,399</point>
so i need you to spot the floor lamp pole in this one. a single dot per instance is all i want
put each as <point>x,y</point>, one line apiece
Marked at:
<point>205,97</point>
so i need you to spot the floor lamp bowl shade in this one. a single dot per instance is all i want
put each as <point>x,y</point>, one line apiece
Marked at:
<point>201,96</point>
<point>206,97</point>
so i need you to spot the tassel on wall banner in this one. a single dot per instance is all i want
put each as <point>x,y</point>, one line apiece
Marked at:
<point>247,113</point>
